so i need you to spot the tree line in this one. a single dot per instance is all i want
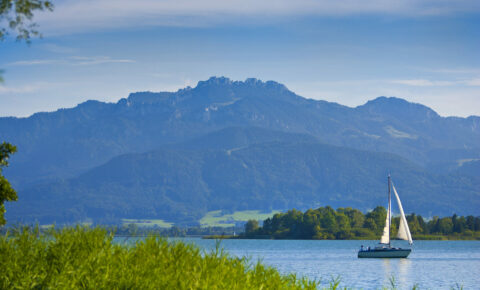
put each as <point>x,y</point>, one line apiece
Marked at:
<point>175,231</point>
<point>348,223</point>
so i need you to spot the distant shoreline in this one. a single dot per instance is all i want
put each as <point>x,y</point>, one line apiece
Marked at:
<point>433,238</point>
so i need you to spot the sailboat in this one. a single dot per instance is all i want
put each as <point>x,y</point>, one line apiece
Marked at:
<point>384,248</point>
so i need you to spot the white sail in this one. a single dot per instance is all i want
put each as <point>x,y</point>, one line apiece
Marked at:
<point>403,230</point>
<point>385,239</point>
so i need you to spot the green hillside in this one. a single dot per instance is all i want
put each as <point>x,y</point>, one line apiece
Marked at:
<point>181,185</point>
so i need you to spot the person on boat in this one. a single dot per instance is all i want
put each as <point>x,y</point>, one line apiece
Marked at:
<point>361,248</point>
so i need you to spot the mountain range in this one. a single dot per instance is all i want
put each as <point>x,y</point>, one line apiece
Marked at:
<point>236,145</point>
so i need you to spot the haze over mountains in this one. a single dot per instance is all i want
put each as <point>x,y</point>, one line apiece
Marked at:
<point>235,145</point>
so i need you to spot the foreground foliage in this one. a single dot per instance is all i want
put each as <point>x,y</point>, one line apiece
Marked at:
<point>348,223</point>
<point>7,193</point>
<point>80,257</point>
<point>16,16</point>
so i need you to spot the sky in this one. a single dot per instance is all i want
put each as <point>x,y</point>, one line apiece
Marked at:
<point>348,52</point>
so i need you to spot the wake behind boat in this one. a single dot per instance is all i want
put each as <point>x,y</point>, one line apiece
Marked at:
<point>384,248</point>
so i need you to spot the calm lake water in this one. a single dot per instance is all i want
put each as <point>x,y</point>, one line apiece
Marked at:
<point>431,265</point>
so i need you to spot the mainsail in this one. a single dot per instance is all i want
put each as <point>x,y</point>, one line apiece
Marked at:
<point>385,239</point>
<point>403,230</point>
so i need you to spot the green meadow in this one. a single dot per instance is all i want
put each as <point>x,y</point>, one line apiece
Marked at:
<point>218,218</point>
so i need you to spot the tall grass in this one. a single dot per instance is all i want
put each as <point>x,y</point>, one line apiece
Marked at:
<point>81,257</point>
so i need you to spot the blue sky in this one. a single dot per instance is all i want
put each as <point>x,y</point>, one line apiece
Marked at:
<point>342,51</point>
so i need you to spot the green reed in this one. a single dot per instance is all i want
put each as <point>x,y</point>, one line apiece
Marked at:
<point>81,257</point>
<point>87,258</point>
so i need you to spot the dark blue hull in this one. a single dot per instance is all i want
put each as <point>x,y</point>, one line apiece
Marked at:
<point>384,253</point>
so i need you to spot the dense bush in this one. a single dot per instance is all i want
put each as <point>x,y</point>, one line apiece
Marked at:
<point>348,223</point>
<point>79,257</point>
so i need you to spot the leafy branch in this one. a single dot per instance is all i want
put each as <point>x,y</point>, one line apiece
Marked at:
<point>18,16</point>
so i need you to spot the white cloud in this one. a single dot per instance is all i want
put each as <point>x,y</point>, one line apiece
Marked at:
<point>452,70</point>
<point>473,82</point>
<point>85,60</point>
<point>24,89</point>
<point>52,47</point>
<point>462,76</point>
<point>74,60</point>
<point>72,16</point>
<point>162,75</point>
<point>35,62</point>
<point>16,90</point>
<point>429,83</point>
<point>405,82</point>
<point>424,83</point>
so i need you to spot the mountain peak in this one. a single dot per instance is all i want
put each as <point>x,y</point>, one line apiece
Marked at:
<point>215,81</point>
<point>382,100</point>
<point>249,82</point>
<point>398,107</point>
<point>146,97</point>
<point>253,82</point>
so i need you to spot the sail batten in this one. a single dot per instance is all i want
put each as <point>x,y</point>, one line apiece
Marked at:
<point>403,230</point>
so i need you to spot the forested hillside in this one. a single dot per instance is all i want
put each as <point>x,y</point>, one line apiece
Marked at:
<point>240,169</point>
<point>231,145</point>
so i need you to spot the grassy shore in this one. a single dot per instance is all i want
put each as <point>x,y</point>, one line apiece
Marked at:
<point>81,257</point>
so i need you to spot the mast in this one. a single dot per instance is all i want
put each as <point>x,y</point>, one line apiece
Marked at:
<point>389,210</point>
<point>385,239</point>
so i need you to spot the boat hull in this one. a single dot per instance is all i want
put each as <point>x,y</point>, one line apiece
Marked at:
<point>384,253</point>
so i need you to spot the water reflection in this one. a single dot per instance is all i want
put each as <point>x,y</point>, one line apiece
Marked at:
<point>387,271</point>
<point>399,269</point>
<point>403,271</point>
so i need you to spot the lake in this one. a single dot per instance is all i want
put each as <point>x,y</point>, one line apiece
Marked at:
<point>431,265</point>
